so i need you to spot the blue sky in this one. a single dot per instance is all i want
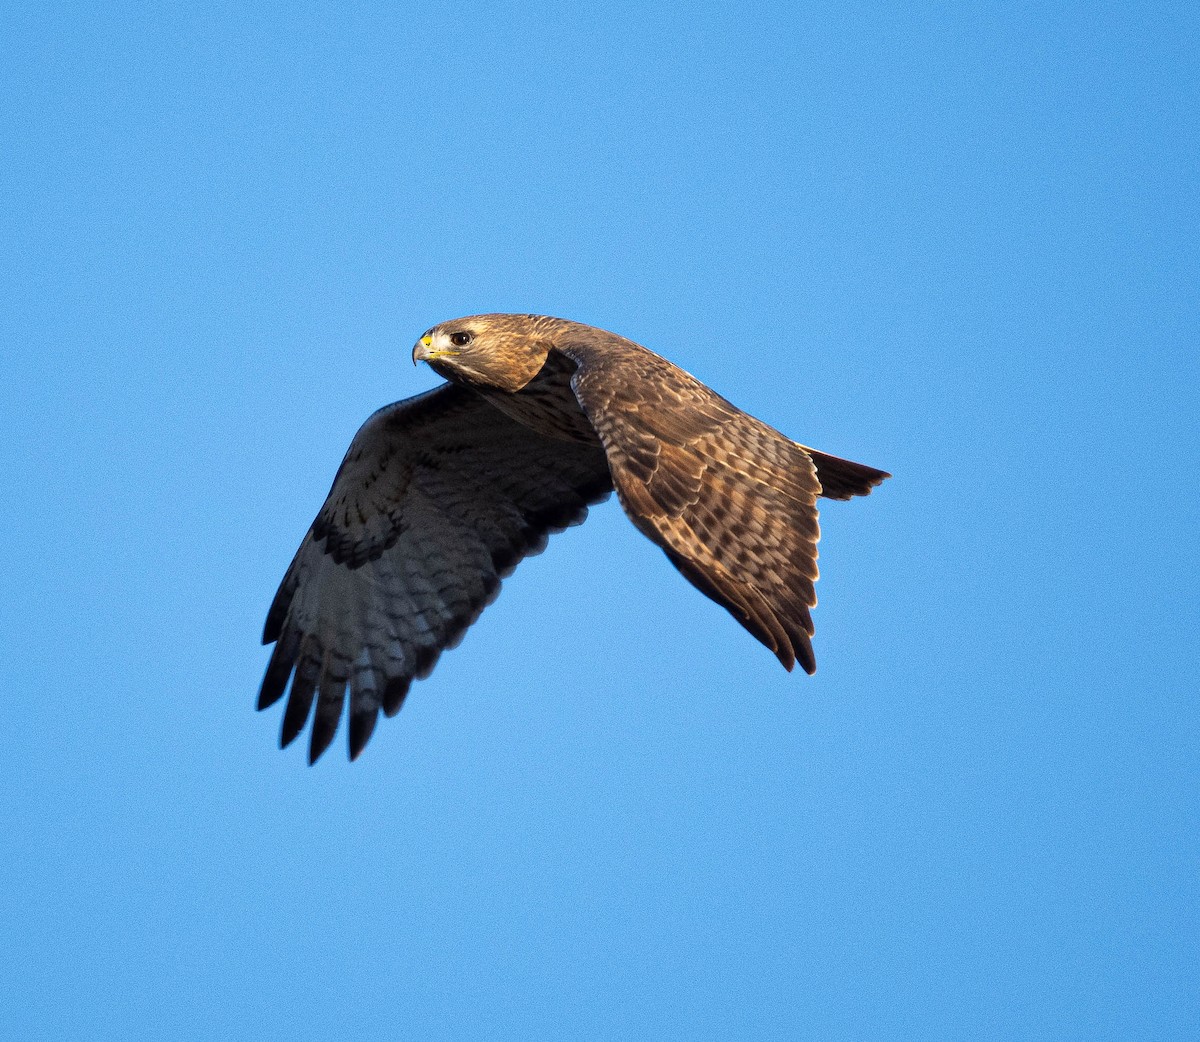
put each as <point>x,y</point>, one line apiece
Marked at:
<point>958,242</point>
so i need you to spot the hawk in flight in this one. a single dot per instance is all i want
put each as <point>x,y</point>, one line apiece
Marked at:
<point>441,496</point>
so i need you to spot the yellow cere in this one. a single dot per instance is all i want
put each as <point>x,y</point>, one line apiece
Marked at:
<point>426,340</point>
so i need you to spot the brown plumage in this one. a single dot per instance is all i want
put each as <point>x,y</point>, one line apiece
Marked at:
<point>442,495</point>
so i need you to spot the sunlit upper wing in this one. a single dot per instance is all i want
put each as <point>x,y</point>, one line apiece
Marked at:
<point>731,500</point>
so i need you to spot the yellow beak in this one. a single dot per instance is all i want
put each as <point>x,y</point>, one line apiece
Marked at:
<point>423,351</point>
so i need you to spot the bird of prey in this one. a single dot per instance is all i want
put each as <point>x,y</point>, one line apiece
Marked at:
<point>442,495</point>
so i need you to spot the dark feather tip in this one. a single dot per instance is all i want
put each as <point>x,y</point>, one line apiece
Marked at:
<point>326,718</point>
<point>299,705</point>
<point>394,694</point>
<point>362,724</point>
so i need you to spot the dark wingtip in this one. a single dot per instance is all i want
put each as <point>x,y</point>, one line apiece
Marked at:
<point>319,740</point>
<point>325,719</point>
<point>277,614</point>
<point>804,654</point>
<point>362,725</point>
<point>268,696</point>
<point>290,730</point>
<point>394,694</point>
<point>275,680</point>
<point>300,700</point>
<point>425,660</point>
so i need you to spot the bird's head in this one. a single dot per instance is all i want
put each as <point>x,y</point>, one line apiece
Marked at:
<point>500,351</point>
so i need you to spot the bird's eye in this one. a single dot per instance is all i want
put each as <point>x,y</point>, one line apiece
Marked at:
<point>460,339</point>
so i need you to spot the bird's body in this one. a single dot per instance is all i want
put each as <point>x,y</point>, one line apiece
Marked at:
<point>440,497</point>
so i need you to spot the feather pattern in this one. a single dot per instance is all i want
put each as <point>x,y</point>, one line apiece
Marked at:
<point>437,500</point>
<point>441,496</point>
<point>731,501</point>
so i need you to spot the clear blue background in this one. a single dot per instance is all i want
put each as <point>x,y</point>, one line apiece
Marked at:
<point>955,241</point>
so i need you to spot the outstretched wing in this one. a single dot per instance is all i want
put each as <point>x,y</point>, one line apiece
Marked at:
<point>730,500</point>
<point>439,497</point>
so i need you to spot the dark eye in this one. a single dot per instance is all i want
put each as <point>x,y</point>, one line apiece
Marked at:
<point>460,339</point>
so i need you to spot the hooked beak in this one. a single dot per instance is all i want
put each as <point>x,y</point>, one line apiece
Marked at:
<point>425,352</point>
